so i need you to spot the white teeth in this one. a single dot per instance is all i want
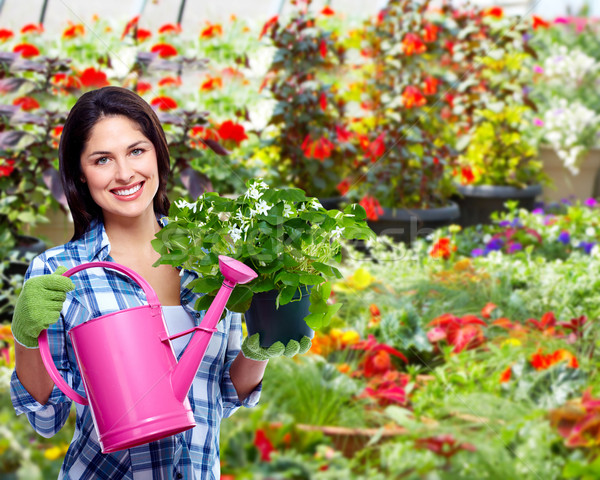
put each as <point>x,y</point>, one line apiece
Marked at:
<point>129,191</point>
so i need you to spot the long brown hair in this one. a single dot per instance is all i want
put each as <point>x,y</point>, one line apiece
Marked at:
<point>87,111</point>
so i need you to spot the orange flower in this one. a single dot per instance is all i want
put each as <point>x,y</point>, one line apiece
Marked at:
<point>32,28</point>
<point>169,81</point>
<point>413,97</point>
<point>6,167</point>
<point>57,131</point>
<point>487,310</point>
<point>91,77</point>
<point>327,11</point>
<point>374,309</point>
<point>412,44</point>
<point>494,12</point>
<point>211,83</point>
<point>541,361</point>
<point>66,81</point>
<point>143,87</point>
<point>272,21</point>
<point>431,32</point>
<point>5,34</point>
<point>73,31</point>
<point>203,134</point>
<point>26,103</point>
<point>506,375</point>
<point>130,24</point>
<point>143,35</point>
<point>430,85</point>
<point>232,131</point>
<point>372,207</point>
<point>211,30</point>
<point>164,103</point>
<point>26,50</point>
<point>539,22</point>
<point>170,28</point>
<point>442,249</point>
<point>164,50</point>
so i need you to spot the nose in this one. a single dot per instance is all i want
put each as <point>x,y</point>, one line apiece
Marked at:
<point>124,171</point>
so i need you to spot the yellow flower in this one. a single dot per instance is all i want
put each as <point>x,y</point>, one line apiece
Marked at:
<point>54,453</point>
<point>454,228</point>
<point>350,337</point>
<point>511,342</point>
<point>462,264</point>
<point>361,279</point>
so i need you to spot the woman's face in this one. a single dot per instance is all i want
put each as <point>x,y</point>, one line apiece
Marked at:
<point>119,165</point>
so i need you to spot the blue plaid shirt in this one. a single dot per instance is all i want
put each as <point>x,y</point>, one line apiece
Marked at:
<point>193,454</point>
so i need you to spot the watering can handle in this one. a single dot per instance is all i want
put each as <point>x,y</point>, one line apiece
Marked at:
<point>43,337</point>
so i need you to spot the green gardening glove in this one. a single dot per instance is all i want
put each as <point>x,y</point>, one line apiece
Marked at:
<point>39,306</point>
<point>251,348</point>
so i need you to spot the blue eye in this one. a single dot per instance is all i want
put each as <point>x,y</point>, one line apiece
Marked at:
<point>138,150</point>
<point>102,161</point>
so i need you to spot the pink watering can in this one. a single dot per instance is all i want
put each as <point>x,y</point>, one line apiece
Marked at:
<point>134,386</point>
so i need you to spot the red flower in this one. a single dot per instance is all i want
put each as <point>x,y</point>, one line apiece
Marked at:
<point>32,28</point>
<point>6,167</point>
<point>494,12</point>
<point>442,249</point>
<point>318,149</point>
<point>377,359</point>
<point>164,50</point>
<point>323,48</point>
<point>212,30</point>
<point>91,77</point>
<point>372,207</point>
<point>343,135</point>
<point>143,87</point>
<point>486,311</point>
<point>170,28</point>
<point>26,50</point>
<point>449,46</point>
<point>130,24</point>
<point>57,131</point>
<point>73,31</point>
<point>546,324</point>
<point>413,97</point>
<point>143,35</point>
<point>430,85</point>
<point>164,103</point>
<point>26,103</point>
<point>232,131</point>
<point>462,332</point>
<point>169,81</point>
<point>323,101</point>
<point>431,32</point>
<point>539,22</point>
<point>343,186</point>
<point>211,83</point>
<point>540,361</point>
<point>264,445</point>
<point>444,445</point>
<point>272,21</point>
<point>467,176</point>
<point>413,44</point>
<point>6,34</point>
<point>327,11</point>
<point>506,375</point>
<point>388,389</point>
<point>376,148</point>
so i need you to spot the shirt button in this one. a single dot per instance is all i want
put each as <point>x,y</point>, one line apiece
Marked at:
<point>179,475</point>
<point>197,314</point>
<point>184,302</point>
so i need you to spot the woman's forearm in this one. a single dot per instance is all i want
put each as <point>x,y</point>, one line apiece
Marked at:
<point>32,373</point>
<point>246,374</point>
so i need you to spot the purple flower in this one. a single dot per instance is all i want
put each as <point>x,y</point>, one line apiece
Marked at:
<point>564,237</point>
<point>477,252</point>
<point>514,247</point>
<point>587,246</point>
<point>538,211</point>
<point>494,244</point>
<point>591,202</point>
<point>504,223</point>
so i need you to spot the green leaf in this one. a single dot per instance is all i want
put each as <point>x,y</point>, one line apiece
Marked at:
<point>308,279</point>
<point>287,278</point>
<point>285,295</point>
<point>205,284</point>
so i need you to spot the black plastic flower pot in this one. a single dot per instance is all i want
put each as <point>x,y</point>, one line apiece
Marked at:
<point>478,202</point>
<point>278,324</point>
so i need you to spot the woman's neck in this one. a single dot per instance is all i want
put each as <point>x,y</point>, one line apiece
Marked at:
<point>131,234</point>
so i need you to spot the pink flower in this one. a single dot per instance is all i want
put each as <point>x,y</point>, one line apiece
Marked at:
<point>538,69</point>
<point>538,122</point>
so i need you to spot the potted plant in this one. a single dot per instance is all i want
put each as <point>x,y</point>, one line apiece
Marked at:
<point>289,239</point>
<point>307,125</point>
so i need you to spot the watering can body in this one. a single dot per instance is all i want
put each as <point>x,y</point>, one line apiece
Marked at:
<point>136,389</point>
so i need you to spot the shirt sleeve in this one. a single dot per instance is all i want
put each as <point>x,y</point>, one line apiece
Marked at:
<point>231,401</point>
<point>46,419</point>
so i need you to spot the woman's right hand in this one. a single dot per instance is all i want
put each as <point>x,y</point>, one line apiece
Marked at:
<point>39,306</point>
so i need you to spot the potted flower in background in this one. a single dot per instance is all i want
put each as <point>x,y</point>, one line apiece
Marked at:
<point>289,239</point>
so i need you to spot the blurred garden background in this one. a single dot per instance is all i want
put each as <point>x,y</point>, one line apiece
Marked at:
<point>465,347</point>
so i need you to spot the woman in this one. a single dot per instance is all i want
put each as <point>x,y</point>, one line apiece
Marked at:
<point>114,165</point>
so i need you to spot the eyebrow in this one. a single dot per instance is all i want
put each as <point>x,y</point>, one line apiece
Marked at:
<point>128,148</point>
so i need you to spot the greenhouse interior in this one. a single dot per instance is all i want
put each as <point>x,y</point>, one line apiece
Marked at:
<point>401,281</point>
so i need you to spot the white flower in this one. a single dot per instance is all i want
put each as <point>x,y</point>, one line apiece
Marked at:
<point>224,216</point>
<point>337,232</point>
<point>253,193</point>
<point>590,231</point>
<point>288,211</point>
<point>262,207</point>
<point>315,205</point>
<point>302,208</point>
<point>183,204</point>
<point>235,233</point>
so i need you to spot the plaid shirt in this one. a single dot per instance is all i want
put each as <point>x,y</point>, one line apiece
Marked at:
<point>193,454</point>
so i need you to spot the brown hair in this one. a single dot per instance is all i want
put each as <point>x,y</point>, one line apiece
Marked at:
<point>87,111</point>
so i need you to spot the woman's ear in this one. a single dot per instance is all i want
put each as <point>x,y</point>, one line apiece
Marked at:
<point>82,178</point>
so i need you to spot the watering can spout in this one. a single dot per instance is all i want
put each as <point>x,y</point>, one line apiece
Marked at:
<point>183,375</point>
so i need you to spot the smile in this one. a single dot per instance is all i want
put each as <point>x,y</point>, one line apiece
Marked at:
<point>128,191</point>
